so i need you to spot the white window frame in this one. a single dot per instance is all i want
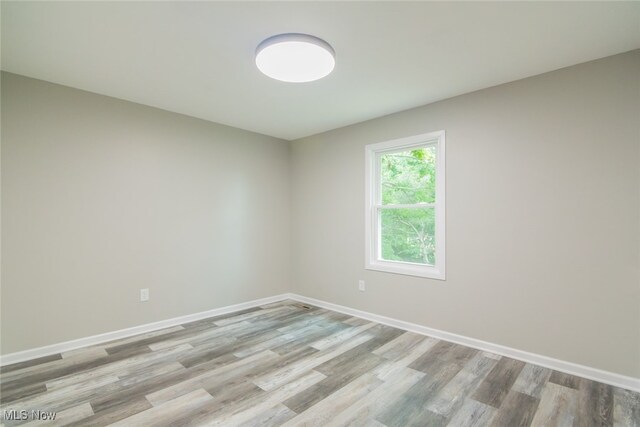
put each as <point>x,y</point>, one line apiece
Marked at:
<point>373,206</point>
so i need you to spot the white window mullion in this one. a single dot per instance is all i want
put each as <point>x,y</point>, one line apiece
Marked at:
<point>412,206</point>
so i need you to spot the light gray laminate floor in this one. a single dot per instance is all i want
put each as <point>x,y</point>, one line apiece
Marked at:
<point>283,364</point>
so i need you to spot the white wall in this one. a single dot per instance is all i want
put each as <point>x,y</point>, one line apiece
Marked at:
<point>102,197</point>
<point>543,216</point>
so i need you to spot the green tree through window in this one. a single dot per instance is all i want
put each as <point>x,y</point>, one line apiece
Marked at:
<point>407,215</point>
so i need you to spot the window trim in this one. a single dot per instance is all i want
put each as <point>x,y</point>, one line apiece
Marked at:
<point>372,190</point>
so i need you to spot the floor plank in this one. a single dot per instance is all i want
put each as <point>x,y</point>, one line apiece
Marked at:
<point>322,411</point>
<point>557,407</point>
<point>497,384</point>
<point>472,414</point>
<point>532,380</point>
<point>517,410</point>
<point>169,413</point>
<point>371,406</point>
<point>595,404</point>
<point>410,408</point>
<point>565,380</point>
<point>29,363</point>
<point>626,408</point>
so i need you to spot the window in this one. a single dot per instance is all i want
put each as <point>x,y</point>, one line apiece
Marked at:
<point>405,206</point>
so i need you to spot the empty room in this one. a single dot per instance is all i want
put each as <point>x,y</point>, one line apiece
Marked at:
<point>322,213</point>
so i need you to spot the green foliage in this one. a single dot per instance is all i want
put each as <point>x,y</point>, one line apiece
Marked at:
<point>408,178</point>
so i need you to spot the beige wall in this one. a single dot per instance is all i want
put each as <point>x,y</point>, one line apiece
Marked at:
<point>102,197</point>
<point>543,216</point>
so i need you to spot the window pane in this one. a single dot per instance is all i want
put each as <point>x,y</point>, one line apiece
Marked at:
<point>408,235</point>
<point>409,177</point>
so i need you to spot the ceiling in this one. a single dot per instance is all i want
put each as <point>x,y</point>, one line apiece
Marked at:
<point>197,58</point>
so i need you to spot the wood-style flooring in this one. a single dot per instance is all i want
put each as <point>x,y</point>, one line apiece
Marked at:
<point>284,364</point>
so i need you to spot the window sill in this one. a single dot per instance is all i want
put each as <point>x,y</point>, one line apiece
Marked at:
<point>407,269</point>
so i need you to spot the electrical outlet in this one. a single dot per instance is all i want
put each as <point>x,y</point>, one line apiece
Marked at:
<point>361,285</point>
<point>144,294</point>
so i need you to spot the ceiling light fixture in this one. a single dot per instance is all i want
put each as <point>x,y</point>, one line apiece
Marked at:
<point>295,58</point>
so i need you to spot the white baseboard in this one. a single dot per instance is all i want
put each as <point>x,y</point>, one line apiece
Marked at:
<point>599,375</point>
<point>606,377</point>
<point>34,353</point>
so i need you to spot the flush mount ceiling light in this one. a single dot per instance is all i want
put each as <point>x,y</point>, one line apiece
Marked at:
<point>295,58</point>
